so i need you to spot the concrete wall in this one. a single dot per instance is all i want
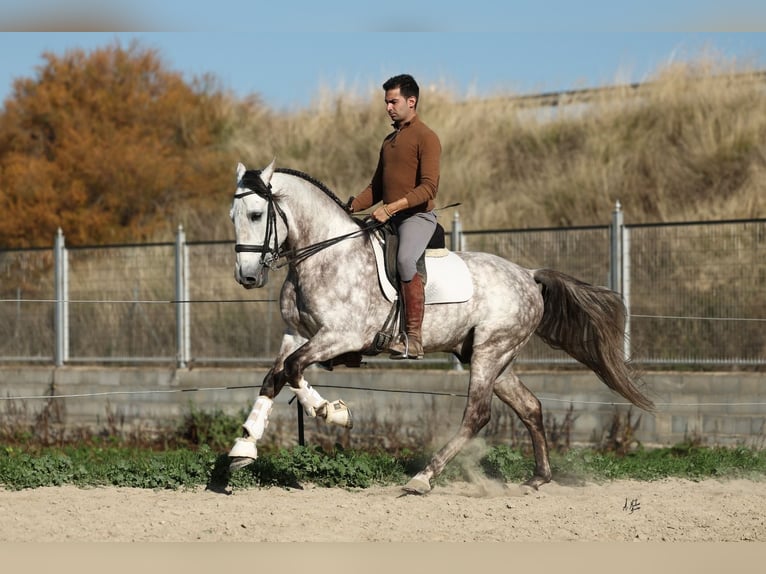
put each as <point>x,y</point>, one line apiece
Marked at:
<point>719,408</point>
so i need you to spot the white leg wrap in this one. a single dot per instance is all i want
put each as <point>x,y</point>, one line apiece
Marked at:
<point>311,400</point>
<point>337,413</point>
<point>258,419</point>
<point>244,448</point>
<point>256,423</point>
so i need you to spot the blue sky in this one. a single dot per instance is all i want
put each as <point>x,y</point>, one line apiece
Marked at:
<point>289,52</point>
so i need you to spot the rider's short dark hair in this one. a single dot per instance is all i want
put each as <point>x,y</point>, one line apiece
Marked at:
<point>407,85</point>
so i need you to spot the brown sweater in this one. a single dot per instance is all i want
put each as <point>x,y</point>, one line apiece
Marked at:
<point>408,166</point>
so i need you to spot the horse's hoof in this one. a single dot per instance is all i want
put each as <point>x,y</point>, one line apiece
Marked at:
<point>536,482</point>
<point>240,462</point>
<point>417,485</point>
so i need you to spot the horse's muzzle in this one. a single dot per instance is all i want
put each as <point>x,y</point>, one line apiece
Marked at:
<point>252,280</point>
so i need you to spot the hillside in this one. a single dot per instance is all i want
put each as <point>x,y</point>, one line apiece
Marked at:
<point>113,147</point>
<point>690,144</point>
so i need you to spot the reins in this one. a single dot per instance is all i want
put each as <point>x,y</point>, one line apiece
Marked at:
<point>298,255</point>
<point>289,255</point>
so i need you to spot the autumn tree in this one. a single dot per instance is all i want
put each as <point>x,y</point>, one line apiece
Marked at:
<point>110,146</point>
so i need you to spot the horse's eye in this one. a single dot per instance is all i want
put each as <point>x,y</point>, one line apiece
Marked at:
<point>255,216</point>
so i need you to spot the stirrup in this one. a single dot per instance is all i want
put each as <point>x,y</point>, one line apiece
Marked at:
<point>399,354</point>
<point>402,342</point>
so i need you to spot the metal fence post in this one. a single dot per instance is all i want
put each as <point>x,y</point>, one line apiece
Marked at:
<point>456,236</point>
<point>619,266</point>
<point>61,309</point>
<point>626,286</point>
<point>183,344</point>
<point>456,243</point>
<point>301,428</point>
<point>615,249</point>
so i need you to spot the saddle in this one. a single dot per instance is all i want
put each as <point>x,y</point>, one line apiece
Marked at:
<point>444,273</point>
<point>390,241</point>
<point>450,282</point>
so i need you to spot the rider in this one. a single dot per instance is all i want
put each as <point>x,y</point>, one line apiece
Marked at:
<point>406,181</point>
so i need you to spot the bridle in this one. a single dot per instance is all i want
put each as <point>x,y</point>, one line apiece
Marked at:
<point>271,250</point>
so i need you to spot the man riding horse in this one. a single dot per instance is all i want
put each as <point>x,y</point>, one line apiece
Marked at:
<point>406,181</point>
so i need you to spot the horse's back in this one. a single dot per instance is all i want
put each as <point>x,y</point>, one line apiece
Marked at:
<point>492,272</point>
<point>502,289</point>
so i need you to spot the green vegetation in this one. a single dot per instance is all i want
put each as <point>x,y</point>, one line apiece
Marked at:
<point>685,460</point>
<point>88,466</point>
<point>194,455</point>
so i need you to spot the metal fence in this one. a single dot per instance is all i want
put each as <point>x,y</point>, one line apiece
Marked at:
<point>695,294</point>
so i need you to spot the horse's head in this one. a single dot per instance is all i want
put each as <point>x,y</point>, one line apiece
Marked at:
<point>259,226</point>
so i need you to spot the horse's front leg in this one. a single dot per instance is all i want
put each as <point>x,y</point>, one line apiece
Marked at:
<point>322,347</point>
<point>295,355</point>
<point>245,451</point>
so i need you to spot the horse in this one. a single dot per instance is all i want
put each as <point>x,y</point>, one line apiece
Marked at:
<point>333,307</point>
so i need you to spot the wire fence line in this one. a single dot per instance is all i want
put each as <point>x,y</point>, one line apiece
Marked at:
<point>695,291</point>
<point>543,398</point>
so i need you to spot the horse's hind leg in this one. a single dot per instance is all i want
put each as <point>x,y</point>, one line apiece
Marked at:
<point>476,415</point>
<point>512,392</point>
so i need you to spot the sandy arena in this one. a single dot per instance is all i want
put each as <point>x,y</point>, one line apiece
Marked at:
<point>668,510</point>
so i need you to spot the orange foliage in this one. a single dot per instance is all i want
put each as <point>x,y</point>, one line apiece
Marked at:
<point>109,146</point>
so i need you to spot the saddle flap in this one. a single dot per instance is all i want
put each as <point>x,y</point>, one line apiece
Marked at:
<point>449,280</point>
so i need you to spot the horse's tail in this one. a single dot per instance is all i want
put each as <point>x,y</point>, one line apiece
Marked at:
<point>588,322</point>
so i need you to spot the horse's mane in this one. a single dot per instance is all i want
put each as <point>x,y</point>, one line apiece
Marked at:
<point>314,181</point>
<point>252,180</point>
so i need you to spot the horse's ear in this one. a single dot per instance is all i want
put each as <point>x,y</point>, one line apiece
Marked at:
<point>241,169</point>
<point>268,171</point>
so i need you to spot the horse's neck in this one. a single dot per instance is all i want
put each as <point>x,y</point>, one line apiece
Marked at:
<point>314,219</point>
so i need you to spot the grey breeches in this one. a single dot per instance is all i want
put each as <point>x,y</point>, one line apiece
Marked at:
<point>414,234</point>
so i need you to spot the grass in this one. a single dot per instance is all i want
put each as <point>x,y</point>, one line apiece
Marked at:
<point>108,466</point>
<point>194,455</point>
<point>134,467</point>
<point>686,145</point>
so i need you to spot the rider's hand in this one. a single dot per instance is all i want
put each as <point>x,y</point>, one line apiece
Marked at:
<point>382,214</point>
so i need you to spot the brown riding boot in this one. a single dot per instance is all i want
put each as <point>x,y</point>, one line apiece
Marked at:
<point>413,293</point>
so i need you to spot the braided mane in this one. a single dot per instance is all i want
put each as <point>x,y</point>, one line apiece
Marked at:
<point>314,181</point>
<point>252,181</point>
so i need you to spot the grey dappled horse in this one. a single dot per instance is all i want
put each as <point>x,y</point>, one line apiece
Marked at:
<point>333,307</point>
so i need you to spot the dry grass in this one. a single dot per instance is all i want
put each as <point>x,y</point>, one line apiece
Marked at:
<point>689,144</point>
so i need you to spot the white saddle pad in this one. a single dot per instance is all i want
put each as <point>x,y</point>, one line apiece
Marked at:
<point>449,280</point>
